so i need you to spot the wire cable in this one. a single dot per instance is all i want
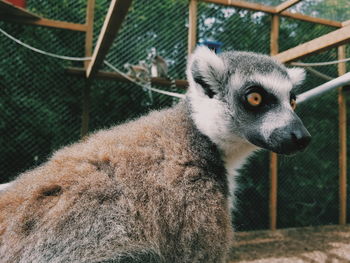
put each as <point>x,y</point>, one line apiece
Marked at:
<point>319,74</point>
<point>173,94</point>
<point>41,51</point>
<point>319,64</point>
<point>168,93</point>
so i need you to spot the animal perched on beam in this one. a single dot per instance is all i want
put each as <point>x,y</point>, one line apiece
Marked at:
<point>157,189</point>
<point>138,72</point>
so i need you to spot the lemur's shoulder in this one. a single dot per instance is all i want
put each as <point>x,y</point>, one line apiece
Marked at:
<point>149,147</point>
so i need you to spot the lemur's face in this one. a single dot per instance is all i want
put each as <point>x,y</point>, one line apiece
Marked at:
<point>247,96</point>
<point>263,107</point>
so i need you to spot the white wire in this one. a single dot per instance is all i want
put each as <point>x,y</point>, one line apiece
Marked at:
<point>168,93</point>
<point>319,74</point>
<point>173,94</point>
<point>317,64</point>
<point>41,51</point>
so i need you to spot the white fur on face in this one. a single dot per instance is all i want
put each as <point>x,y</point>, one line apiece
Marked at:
<point>236,81</point>
<point>276,119</point>
<point>210,116</point>
<point>275,83</point>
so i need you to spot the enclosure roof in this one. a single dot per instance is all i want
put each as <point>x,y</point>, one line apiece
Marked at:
<point>7,9</point>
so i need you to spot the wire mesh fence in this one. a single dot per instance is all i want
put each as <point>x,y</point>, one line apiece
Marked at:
<point>326,9</point>
<point>40,105</point>
<point>236,29</point>
<point>162,26</point>
<point>70,11</point>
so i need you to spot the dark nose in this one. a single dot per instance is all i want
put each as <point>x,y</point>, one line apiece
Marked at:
<point>290,139</point>
<point>300,138</point>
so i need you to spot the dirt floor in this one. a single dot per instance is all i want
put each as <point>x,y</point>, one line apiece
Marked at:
<point>324,244</point>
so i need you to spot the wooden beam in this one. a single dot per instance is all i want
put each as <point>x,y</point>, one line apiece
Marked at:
<point>342,141</point>
<point>274,36</point>
<point>273,191</point>
<point>14,14</point>
<point>89,22</point>
<point>45,23</point>
<point>80,72</point>
<point>244,5</point>
<point>335,38</point>
<point>272,10</point>
<point>85,118</point>
<point>285,5</point>
<point>192,26</point>
<point>311,19</point>
<point>115,16</point>
<point>346,23</point>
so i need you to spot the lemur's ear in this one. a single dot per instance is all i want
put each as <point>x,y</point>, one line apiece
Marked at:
<point>297,75</point>
<point>206,69</point>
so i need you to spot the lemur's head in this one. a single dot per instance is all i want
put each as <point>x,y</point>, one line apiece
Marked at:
<point>241,96</point>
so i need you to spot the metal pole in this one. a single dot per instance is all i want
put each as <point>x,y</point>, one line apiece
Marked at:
<point>343,80</point>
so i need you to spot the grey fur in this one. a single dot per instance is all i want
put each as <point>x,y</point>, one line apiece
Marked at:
<point>151,190</point>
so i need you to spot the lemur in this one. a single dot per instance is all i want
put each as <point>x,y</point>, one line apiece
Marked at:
<point>159,188</point>
<point>138,72</point>
<point>159,68</point>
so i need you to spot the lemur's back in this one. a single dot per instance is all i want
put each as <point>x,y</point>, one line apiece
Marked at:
<point>137,191</point>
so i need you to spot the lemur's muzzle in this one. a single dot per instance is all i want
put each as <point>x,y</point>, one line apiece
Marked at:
<point>291,138</point>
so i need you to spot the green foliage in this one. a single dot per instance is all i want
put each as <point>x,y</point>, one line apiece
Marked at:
<point>237,29</point>
<point>338,10</point>
<point>39,104</point>
<point>63,10</point>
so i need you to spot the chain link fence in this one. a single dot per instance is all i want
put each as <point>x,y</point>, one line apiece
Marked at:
<point>40,104</point>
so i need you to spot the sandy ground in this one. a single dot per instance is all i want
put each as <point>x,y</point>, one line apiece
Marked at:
<point>324,244</point>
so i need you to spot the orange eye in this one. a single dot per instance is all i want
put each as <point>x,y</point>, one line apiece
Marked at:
<point>293,103</point>
<point>254,99</point>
